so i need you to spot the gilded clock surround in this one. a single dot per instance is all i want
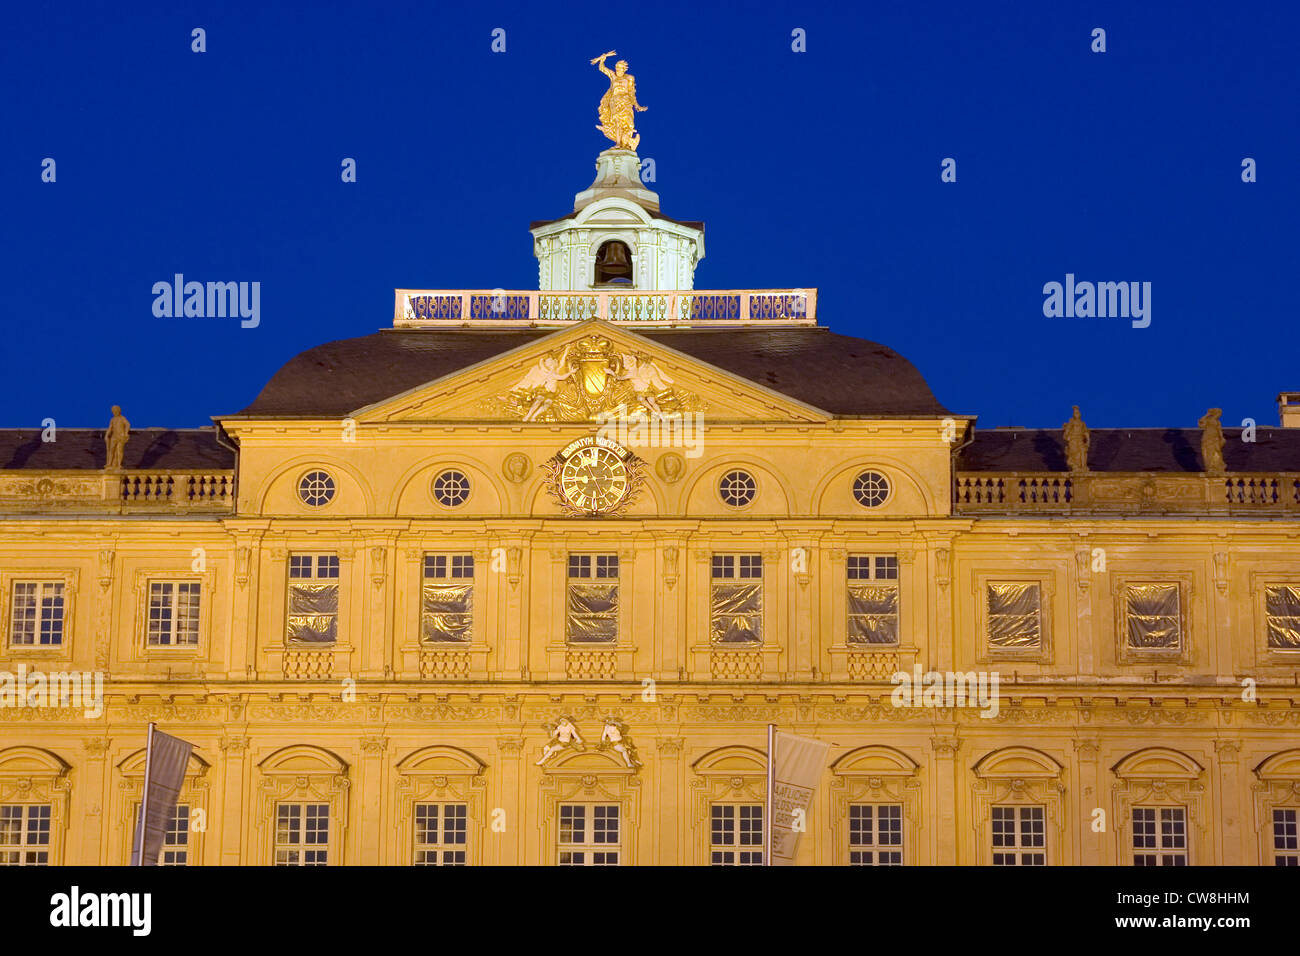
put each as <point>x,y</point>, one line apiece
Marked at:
<point>594,477</point>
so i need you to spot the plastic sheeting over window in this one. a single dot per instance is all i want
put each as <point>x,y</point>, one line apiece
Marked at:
<point>592,614</point>
<point>446,613</point>
<point>737,613</point>
<point>1282,610</point>
<point>313,613</point>
<point>873,614</point>
<point>1015,614</point>
<point>1152,614</point>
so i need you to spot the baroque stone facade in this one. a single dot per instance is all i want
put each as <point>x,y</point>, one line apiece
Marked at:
<point>375,623</point>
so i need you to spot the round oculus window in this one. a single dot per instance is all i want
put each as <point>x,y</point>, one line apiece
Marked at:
<point>451,488</point>
<point>316,488</point>
<point>871,488</point>
<point>737,488</point>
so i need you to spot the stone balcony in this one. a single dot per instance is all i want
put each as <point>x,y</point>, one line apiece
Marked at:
<point>1064,493</point>
<point>120,492</point>
<point>503,308</point>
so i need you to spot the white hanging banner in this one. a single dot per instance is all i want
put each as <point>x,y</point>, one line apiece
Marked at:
<point>795,766</point>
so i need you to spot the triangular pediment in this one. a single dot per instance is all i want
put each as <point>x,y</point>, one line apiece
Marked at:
<point>584,372</point>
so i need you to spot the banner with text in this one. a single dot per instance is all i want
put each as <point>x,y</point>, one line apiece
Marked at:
<point>797,770</point>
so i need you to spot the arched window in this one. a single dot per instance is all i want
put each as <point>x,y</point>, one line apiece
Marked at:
<point>613,264</point>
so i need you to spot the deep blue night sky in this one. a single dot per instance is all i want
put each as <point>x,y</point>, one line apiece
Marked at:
<point>810,169</point>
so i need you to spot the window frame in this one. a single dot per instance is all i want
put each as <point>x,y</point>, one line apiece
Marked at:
<point>1126,654</point>
<point>875,848</point>
<point>440,847</point>
<point>736,830</point>
<point>24,847</point>
<point>589,845</point>
<point>316,578</point>
<point>41,582</point>
<point>874,558</point>
<point>302,830</point>
<point>451,558</point>
<point>60,651</point>
<point>1017,849</point>
<point>737,559</point>
<point>174,582</point>
<point>1159,851</point>
<point>1046,582</point>
<point>593,561</point>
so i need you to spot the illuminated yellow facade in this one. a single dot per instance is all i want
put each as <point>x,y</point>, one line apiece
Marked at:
<point>371,605</point>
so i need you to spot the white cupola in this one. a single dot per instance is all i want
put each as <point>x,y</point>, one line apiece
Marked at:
<point>616,237</point>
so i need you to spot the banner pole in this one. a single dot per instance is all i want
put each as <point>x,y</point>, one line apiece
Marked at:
<point>767,810</point>
<point>144,798</point>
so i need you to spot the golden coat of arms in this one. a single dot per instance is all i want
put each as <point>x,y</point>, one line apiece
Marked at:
<point>589,379</point>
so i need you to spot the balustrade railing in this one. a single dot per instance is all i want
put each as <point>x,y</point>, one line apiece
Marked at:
<point>433,308</point>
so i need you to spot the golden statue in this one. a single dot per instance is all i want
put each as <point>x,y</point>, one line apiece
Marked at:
<point>618,104</point>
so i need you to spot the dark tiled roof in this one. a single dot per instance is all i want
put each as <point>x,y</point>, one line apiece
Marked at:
<point>1129,449</point>
<point>843,375</point>
<point>189,449</point>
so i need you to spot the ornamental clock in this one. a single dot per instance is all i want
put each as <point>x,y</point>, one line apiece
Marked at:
<point>594,477</point>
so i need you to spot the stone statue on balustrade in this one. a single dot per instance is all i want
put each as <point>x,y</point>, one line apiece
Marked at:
<point>119,430</point>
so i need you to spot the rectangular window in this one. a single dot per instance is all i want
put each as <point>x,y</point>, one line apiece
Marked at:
<point>873,599</point>
<point>1015,610</point>
<point>591,612</point>
<point>876,834</point>
<point>440,834</point>
<point>25,834</point>
<point>736,608</point>
<point>302,834</point>
<point>313,599</point>
<point>1151,614</point>
<point>176,838</point>
<point>447,609</point>
<point>736,834</point>
<point>588,834</point>
<point>1286,851</point>
<point>1019,836</point>
<point>173,614</point>
<point>37,614</point>
<point>176,841</point>
<point>1159,836</point>
<point>1282,616</point>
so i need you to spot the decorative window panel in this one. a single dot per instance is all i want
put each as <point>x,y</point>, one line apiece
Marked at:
<point>591,610</point>
<point>447,599</point>
<point>1019,836</point>
<point>1015,614</point>
<point>1151,614</point>
<point>876,834</point>
<point>441,832</point>
<point>1159,836</point>
<point>736,599</point>
<point>25,834</point>
<point>589,834</point>
<point>1282,616</point>
<point>313,599</point>
<point>37,619</point>
<point>302,834</point>
<point>736,834</point>
<point>173,614</point>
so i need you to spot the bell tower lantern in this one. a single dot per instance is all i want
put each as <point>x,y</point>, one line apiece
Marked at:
<point>616,237</point>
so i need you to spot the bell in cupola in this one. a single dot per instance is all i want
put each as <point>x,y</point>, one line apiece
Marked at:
<point>613,264</point>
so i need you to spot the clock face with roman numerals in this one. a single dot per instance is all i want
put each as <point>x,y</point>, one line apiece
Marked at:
<point>594,479</point>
